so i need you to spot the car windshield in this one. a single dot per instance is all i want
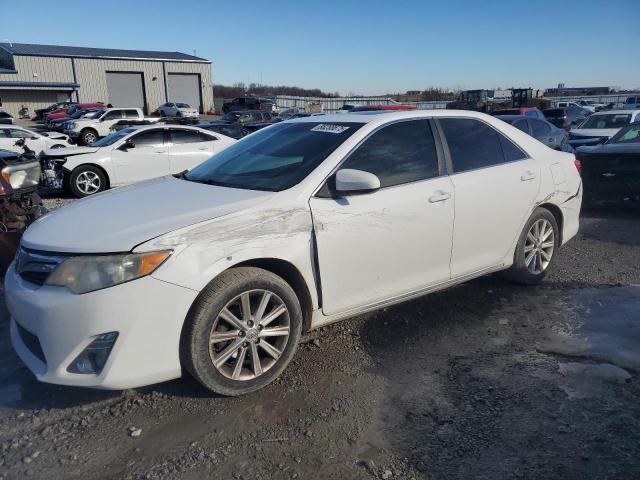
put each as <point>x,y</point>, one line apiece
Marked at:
<point>610,120</point>
<point>114,137</point>
<point>182,105</point>
<point>629,134</point>
<point>275,158</point>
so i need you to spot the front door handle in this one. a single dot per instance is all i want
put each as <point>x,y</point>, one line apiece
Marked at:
<point>161,151</point>
<point>439,196</point>
<point>528,175</point>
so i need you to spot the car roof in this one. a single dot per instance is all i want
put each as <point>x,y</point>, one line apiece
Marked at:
<point>511,118</point>
<point>163,125</point>
<point>383,116</point>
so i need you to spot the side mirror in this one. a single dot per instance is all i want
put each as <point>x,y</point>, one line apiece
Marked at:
<point>350,181</point>
<point>33,138</point>
<point>127,145</point>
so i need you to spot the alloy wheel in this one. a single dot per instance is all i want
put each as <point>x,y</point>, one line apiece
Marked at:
<point>539,246</point>
<point>88,182</point>
<point>249,335</point>
<point>89,138</point>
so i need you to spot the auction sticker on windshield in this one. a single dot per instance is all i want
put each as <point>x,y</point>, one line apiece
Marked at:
<point>328,128</point>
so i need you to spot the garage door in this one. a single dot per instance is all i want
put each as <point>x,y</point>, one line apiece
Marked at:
<point>184,88</point>
<point>125,89</point>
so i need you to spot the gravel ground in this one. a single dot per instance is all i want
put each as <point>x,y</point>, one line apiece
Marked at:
<point>486,380</point>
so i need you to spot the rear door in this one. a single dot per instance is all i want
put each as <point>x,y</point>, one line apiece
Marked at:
<point>148,158</point>
<point>495,187</point>
<point>397,240</point>
<point>188,148</point>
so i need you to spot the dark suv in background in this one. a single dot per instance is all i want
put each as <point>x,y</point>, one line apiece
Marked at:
<point>249,103</point>
<point>566,117</point>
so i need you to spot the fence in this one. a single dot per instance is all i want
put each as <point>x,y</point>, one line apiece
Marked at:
<point>334,104</point>
<point>285,102</point>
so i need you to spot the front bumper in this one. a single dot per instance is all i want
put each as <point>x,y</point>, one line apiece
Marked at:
<point>147,313</point>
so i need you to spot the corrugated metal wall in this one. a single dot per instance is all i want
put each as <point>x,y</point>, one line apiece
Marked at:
<point>206,84</point>
<point>40,69</point>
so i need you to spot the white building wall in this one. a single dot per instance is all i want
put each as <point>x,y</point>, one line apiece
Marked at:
<point>206,82</point>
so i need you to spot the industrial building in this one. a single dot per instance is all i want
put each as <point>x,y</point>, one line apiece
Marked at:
<point>39,75</point>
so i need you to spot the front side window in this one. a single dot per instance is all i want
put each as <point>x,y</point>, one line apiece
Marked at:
<point>112,115</point>
<point>274,159</point>
<point>474,144</point>
<point>182,105</point>
<point>402,152</point>
<point>179,136</point>
<point>16,133</point>
<point>149,138</point>
<point>610,120</point>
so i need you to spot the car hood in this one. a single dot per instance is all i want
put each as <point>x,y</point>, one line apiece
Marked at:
<point>69,151</point>
<point>594,132</point>
<point>120,219</point>
<point>53,135</point>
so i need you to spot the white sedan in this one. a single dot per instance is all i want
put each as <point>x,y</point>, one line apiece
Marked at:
<point>172,109</point>
<point>128,156</point>
<point>219,271</point>
<point>37,142</point>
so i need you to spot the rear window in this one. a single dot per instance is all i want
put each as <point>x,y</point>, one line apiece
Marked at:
<point>612,120</point>
<point>507,111</point>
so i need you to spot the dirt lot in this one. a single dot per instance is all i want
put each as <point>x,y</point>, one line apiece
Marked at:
<point>487,380</point>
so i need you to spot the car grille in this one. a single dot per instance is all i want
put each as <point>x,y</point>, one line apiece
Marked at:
<point>31,342</point>
<point>36,267</point>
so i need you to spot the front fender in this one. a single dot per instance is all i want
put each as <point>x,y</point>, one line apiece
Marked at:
<point>101,160</point>
<point>203,251</point>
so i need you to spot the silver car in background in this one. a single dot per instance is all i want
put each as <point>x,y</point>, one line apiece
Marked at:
<point>541,130</point>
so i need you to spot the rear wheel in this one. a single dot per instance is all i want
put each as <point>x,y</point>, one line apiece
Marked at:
<point>536,248</point>
<point>87,180</point>
<point>242,331</point>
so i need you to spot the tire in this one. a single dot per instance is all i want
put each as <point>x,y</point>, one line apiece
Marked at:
<point>207,320</point>
<point>540,236</point>
<point>88,136</point>
<point>87,180</point>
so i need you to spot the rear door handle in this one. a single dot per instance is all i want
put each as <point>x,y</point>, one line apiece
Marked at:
<point>439,196</point>
<point>160,151</point>
<point>204,148</point>
<point>527,176</point>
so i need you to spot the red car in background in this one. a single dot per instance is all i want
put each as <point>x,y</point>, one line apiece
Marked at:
<point>66,112</point>
<point>522,111</point>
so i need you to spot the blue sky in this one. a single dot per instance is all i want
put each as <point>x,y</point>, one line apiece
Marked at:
<point>371,47</point>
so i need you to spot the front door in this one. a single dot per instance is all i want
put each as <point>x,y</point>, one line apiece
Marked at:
<point>148,158</point>
<point>376,246</point>
<point>495,187</point>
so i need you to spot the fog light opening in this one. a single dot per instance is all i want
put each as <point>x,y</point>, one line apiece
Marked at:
<point>93,358</point>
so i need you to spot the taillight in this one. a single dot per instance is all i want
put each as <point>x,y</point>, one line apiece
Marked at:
<point>578,165</point>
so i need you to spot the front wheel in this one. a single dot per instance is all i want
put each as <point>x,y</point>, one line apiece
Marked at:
<point>536,248</point>
<point>242,331</point>
<point>87,180</point>
<point>88,137</point>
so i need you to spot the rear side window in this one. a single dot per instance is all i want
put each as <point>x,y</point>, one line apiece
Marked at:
<point>474,144</point>
<point>521,125</point>
<point>399,153</point>
<point>131,114</point>
<point>539,128</point>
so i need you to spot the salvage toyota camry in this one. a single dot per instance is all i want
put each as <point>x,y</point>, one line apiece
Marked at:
<point>217,272</point>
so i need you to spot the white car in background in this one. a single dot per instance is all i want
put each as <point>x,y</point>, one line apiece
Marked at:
<point>172,109</point>
<point>37,142</point>
<point>603,124</point>
<point>130,155</point>
<point>219,271</point>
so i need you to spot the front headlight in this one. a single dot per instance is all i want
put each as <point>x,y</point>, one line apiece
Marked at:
<point>85,274</point>
<point>22,175</point>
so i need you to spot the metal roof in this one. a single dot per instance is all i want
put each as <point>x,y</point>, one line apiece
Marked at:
<point>89,52</point>
<point>50,85</point>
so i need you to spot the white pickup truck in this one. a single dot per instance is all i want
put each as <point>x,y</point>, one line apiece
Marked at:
<point>86,131</point>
